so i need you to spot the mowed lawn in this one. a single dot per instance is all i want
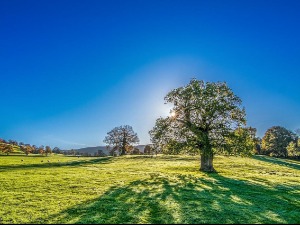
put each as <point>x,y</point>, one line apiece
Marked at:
<point>141,189</point>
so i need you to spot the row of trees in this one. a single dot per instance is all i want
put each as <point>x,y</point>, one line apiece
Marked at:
<point>280,142</point>
<point>207,118</point>
<point>10,146</point>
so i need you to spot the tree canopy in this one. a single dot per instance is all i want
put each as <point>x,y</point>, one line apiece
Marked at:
<point>6,148</point>
<point>122,138</point>
<point>276,141</point>
<point>26,149</point>
<point>204,117</point>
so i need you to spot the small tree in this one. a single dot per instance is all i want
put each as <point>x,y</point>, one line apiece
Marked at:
<point>41,150</point>
<point>48,150</point>
<point>26,149</point>
<point>34,149</point>
<point>6,148</point>
<point>56,150</point>
<point>9,149</point>
<point>122,138</point>
<point>147,150</point>
<point>204,115</point>
<point>135,151</point>
<point>276,140</point>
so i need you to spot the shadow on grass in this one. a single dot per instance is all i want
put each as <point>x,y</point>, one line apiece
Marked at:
<point>281,162</point>
<point>46,164</point>
<point>185,199</point>
<point>178,158</point>
<point>19,154</point>
<point>171,158</point>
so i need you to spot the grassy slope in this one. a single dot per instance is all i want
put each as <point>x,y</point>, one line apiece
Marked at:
<point>166,189</point>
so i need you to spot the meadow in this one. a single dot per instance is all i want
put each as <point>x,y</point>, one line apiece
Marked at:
<point>143,189</point>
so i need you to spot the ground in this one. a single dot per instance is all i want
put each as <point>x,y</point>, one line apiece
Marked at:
<point>141,189</point>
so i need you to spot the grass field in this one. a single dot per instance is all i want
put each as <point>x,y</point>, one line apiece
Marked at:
<point>140,189</point>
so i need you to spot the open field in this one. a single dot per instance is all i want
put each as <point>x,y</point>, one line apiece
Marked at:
<point>140,189</point>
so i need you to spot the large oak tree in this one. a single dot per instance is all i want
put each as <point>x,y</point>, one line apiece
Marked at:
<point>205,115</point>
<point>122,138</point>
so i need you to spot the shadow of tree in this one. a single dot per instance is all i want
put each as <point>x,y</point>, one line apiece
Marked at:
<point>186,199</point>
<point>17,155</point>
<point>46,164</point>
<point>281,162</point>
<point>162,157</point>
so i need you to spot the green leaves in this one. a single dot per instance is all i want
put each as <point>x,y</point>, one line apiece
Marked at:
<point>241,142</point>
<point>205,114</point>
<point>276,140</point>
<point>6,148</point>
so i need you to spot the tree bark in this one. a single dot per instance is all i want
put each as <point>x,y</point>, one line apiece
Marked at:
<point>207,155</point>
<point>123,151</point>
<point>206,162</point>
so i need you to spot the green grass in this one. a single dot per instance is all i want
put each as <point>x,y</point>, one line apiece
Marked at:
<point>140,189</point>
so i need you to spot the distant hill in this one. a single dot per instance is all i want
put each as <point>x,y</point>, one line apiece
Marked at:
<point>93,150</point>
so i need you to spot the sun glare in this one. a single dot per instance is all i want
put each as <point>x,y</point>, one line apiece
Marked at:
<point>173,114</point>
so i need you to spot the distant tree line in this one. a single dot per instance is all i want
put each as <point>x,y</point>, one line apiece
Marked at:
<point>11,146</point>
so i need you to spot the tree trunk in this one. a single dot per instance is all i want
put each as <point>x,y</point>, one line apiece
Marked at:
<point>206,162</point>
<point>207,155</point>
<point>123,151</point>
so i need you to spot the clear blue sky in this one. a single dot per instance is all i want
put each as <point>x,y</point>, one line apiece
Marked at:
<point>73,70</point>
